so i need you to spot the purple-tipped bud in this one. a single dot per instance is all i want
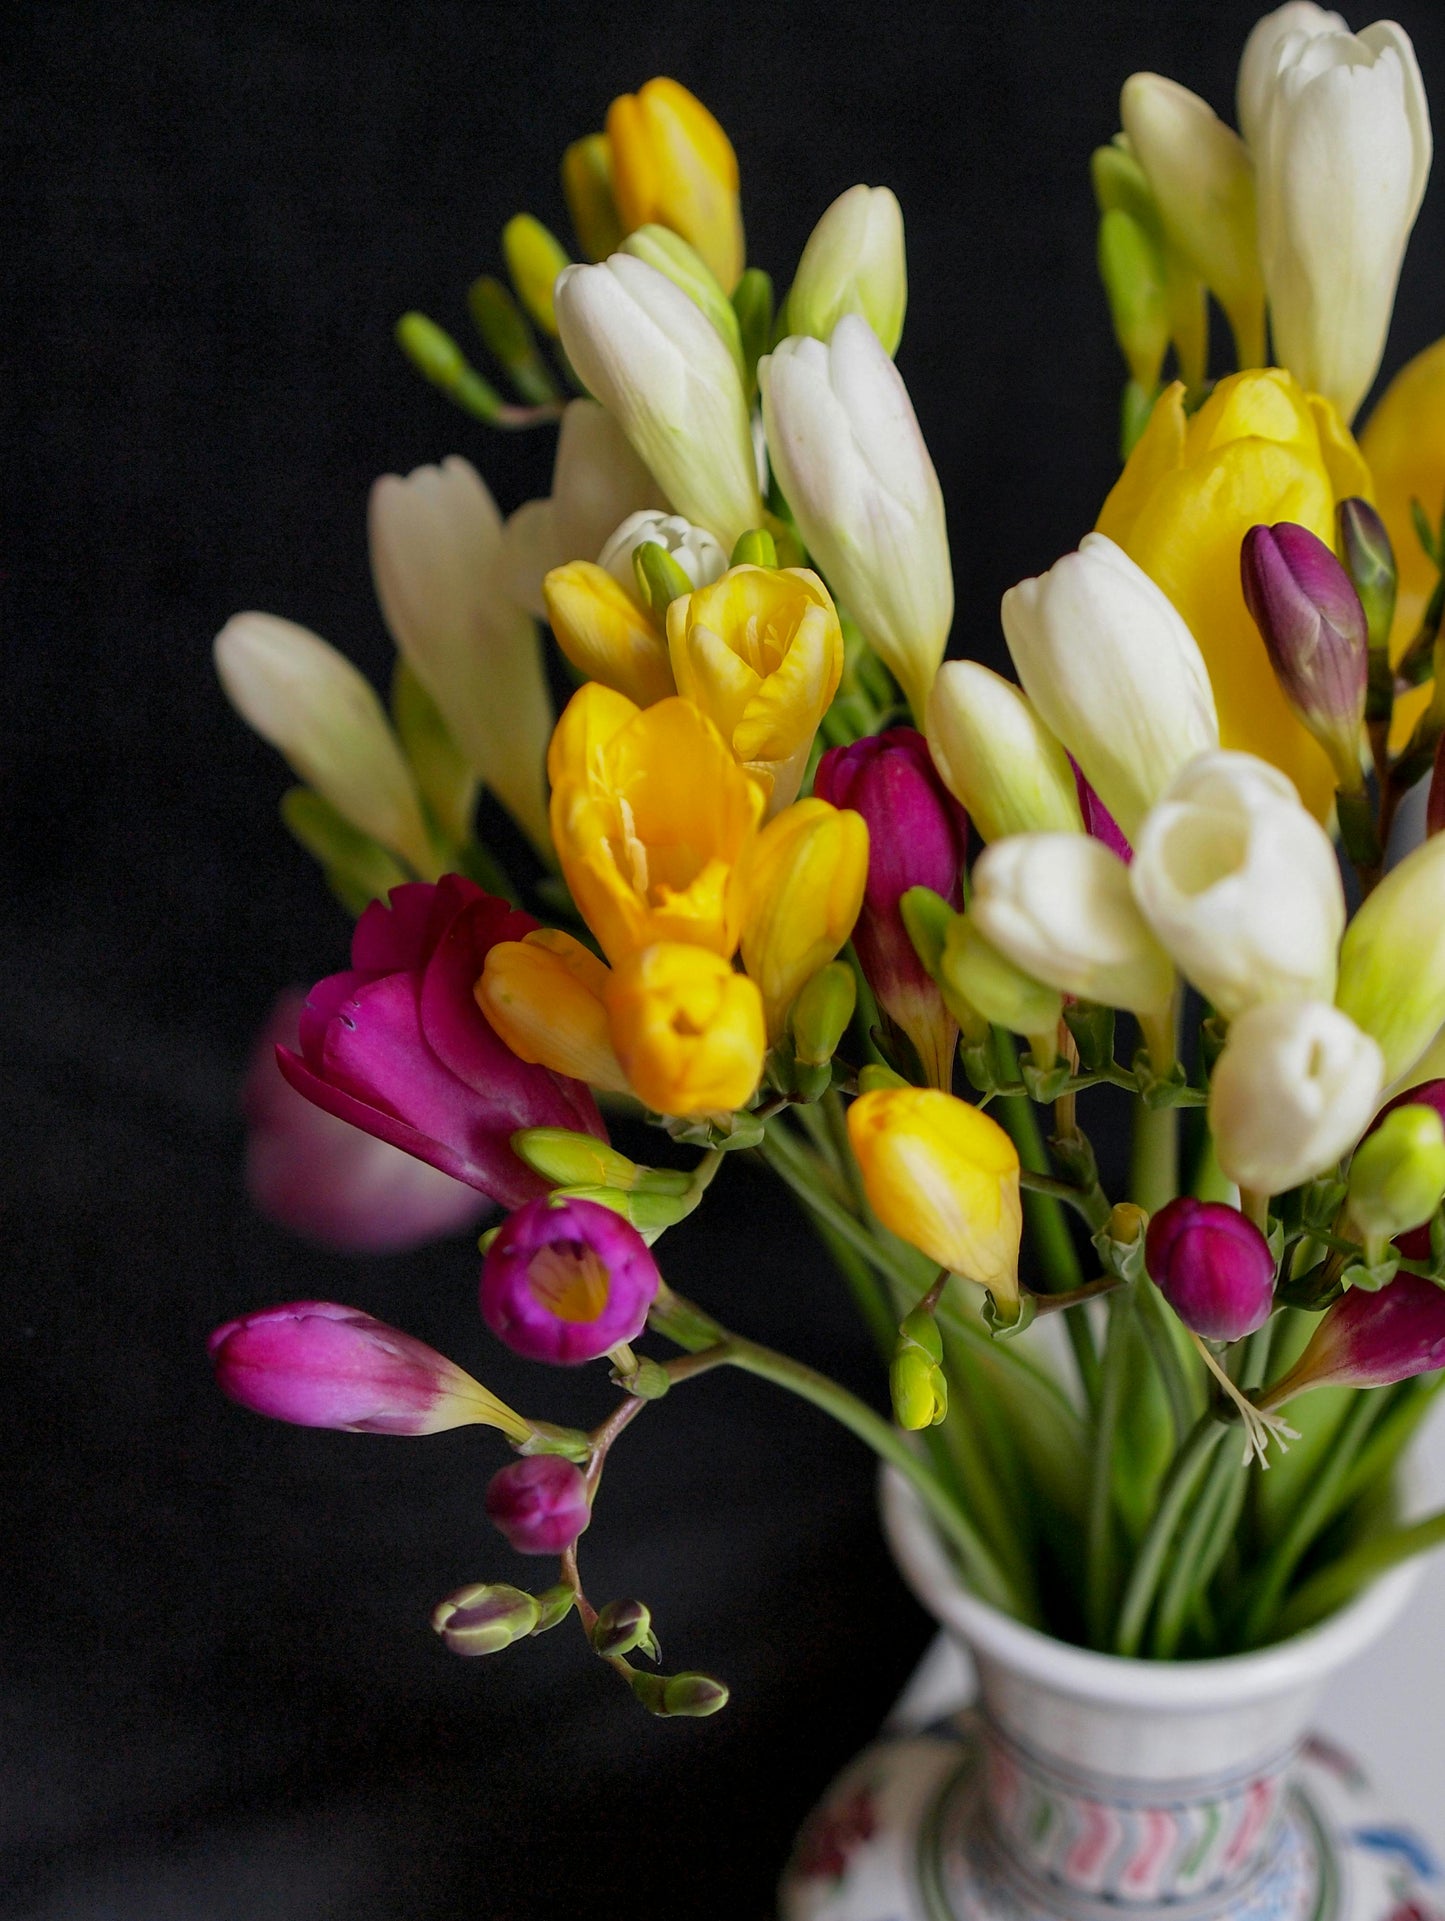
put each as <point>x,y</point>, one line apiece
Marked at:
<point>319,1365</point>
<point>1315,630</point>
<point>485,1618</point>
<point>1370,563</point>
<point>566,1281</point>
<point>539,1504</point>
<point>1213,1267</point>
<point>1371,1340</point>
<point>917,837</point>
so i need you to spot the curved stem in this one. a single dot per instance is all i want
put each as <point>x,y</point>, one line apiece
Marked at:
<point>1174,1498</point>
<point>1201,1548</point>
<point>1101,1565</point>
<point>1333,1586</point>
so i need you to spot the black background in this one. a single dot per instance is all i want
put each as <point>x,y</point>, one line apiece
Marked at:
<point>219,1696</point>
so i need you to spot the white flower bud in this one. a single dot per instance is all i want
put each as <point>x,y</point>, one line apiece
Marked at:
<point>316,709</point>
<point>1261,56</point>
<point>1059,906</point>
<point>1293,1090</point>
<point>1392,960</point>
<point>436,559</point>
<point>845,446</point>
<point>657,363</point>
<point>996,756</point>
<point>854,262</point>
<point>700,557</point>
<point>1241,884</point>
<point>1114,672</point>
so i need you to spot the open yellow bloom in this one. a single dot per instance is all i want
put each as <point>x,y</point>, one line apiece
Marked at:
<point>1405,446</point>
<point>546,997</point>
<point>761,653</point>
<point>944,1178</point>
<point>1260,450</point>
<point>605,634</point>
<point>672,164</point>
<point>650,815</point>
<point>688,1030</point>
<point>802,885</point>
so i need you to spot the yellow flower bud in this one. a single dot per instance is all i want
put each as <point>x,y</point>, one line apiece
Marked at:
<point>1260,450</point>
<point>587,189</point>
<point>605,634</point>
<point>534,257</point>
<point>802,886</point>
<point>761,653</point>
<point>650,815</point>
<point>545,997</point>
<point>673,164</point>
<point>944,1178</point>
<point>688,1029</point>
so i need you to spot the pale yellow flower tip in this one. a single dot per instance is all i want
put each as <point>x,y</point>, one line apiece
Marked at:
<point>945,1178</point>
<point>688,1030</point>
<point>672,164</point>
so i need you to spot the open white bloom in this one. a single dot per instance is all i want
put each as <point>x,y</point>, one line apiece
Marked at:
<point>1261,55</point>
<point>660,367</point>
<point>597,480</point>
<point>1341,145</point>
<point>846,449</point>
<point>995,755</point>
<point>1392,960</point>
<point>436,558</point>
<point>1241,884</point>
<point>1293,1090</point>
<point>1113,672</point>
<point>700,557</point>
<point>854,262</point>
<point>1059,906</point>
<point>316,709</point>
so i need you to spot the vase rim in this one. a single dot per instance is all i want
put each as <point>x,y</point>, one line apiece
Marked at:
<point>1300,1661</point>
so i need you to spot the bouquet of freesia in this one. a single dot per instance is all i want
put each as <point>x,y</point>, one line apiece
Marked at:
<point>897,928</point>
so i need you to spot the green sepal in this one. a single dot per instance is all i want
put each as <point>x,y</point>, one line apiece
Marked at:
<point>660,579</point>
<point>1159,1090</point>
<point>554,1604</point>
<point>1370,1277</point>
<point>1045,1084</point>
<point>358,869</point>
<point>755,548</point>
<point>1005,1330</point>
<point>647,1380</point>
<point>1092,1027</point>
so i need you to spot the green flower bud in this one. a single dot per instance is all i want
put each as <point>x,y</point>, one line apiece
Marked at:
<point>854,263</point>
<point>1397,1177</point>
<point>755,548</point>
<point>1131,266</point>
<point>915,1379</point>
<point>1370,563</point>
<point>753,305</point>
<point>503,326</point>
<point>670,254</point>
<point>1392,959</point>
<point>821,1013</point>
<point>624,1625</point>
<point>574,1160</point>
<point>973,971</point>
<point>587,189</point>
<point>438,358</point>
<point>694,1695</point>
<point>485,1618</point>
<point>660,579</point>
<point>534,258</point>
<point>875,1076</point>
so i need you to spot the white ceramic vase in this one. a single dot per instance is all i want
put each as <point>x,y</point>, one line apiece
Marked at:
<point>1083,1787</point>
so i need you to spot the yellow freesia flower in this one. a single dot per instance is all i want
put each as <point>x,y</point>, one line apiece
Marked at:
<point>944,1178</point>
<point>688,1030</point>
<point>1405,446</point>
<point>1260,450</point>
<point>546,998</point>
<point>605,634</point>
<point>650,815</point>
<point>802,885</point>
<point>760,651</point>
<point>672,164</point>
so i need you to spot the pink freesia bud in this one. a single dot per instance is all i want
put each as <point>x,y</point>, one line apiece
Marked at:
<point>567,1281</point>
<point>327,1181</point>
<point>1316,634</point>
<point>1213,1267</point>
<point>917,837</point>
<point>1371,1340</point>
<point>319,1365</point>
<point>539,1504</point>
<point>1098,821</point>
<point>398,1046</point>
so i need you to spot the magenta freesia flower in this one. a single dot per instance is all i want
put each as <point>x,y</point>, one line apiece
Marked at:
<point>1313,627</point>
<point>324,1179</point>
<point>1372,1340</point>
<point>319,1365</point>
<point>917,837</point>
<point>539,1504</point>
<point>567,1281</point>
<point>1213,1267</point>
<point>398,1046</point>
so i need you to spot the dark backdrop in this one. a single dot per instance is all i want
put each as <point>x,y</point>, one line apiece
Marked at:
<point>219,1696</point>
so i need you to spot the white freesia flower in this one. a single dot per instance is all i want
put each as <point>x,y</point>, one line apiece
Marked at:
<point>995,755</point>
<point>1241,884</point>
<point>316,709</point>
<point>846,449</point>
<point>597,480</point>
<point>660,367</point>
<point>1392,960</point>
<point>1341,144</point>
<point>1114,672</point>
<point>436,558</point>
<point>700,557</point>
<point>1293,1090</point>
<point>854,262</point>
<point>1261,56</point>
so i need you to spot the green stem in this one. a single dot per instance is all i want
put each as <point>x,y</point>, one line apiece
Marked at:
<point>1154,1167</point>
<point>1333,1586</point>
<point>1176,1368</point>
<point>1101,1562</point>
<point>1174,1497</point>
<point>1201,1548</point>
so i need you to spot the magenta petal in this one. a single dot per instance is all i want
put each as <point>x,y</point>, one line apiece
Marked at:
<point>322,1004</point>
<point>391,936</point>
<point>1099,823</point>
<point>455,1027</point>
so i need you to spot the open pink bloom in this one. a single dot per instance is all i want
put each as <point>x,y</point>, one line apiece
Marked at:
<point>539,1504</point>
<point>319,1365</point>
<point>327,1181</point>
<point>398,1046</point>
<point>1372,1340</point>
<point>567,1281</point>
<point>1213,1267</point>
<point>917,837</point>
